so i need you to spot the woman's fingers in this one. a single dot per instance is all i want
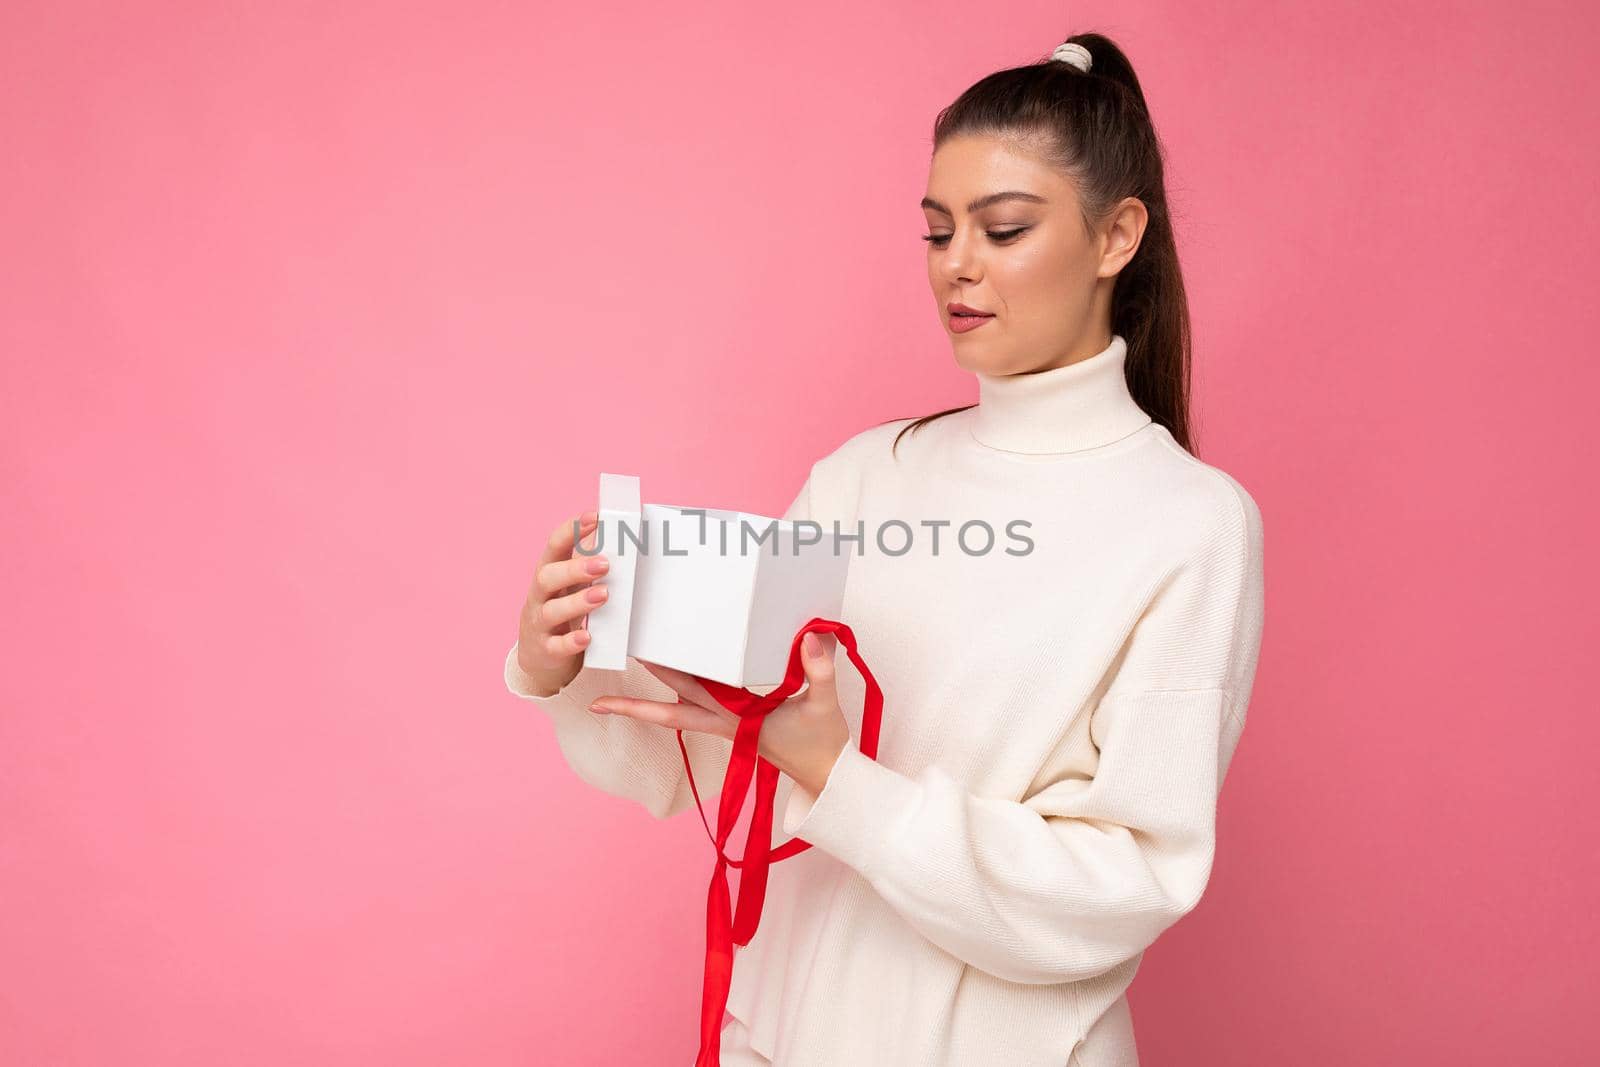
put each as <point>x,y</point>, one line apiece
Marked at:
<point>568,643</point>
<point>549,646</point>
<point>556,615</point>
<point>559,575</point>
<point>687,687</point>
<point>561,541</point>
<point>689,713</point>
<point>816,656</point>
<point>560,569</point>
<point>681,716</point>
<point>565,566</point>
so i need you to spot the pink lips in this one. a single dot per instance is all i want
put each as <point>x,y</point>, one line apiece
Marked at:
<point>965,323</point>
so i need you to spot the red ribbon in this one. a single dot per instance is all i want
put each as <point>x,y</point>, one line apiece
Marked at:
<point>723,932</point>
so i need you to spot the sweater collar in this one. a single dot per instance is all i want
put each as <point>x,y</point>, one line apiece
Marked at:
<point>1065,409</point>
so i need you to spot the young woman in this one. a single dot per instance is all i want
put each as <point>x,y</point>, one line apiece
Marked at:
<point>1060,709</point>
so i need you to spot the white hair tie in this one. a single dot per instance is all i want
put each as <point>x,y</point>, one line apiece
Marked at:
<point>1074,54</point>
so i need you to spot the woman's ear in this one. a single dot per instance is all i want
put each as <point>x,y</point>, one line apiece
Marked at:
<point>1121,236</point>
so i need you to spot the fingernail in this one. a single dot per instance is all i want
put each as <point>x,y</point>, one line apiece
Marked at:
<point>602,709</point>
<point>809,643</point>
<point>596,593</point>
<point>598,565</point>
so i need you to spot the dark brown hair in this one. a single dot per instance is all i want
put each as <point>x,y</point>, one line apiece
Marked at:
<point>1096,126</point>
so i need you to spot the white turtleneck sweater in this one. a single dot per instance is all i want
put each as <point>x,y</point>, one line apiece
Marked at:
<point>1056,729</point>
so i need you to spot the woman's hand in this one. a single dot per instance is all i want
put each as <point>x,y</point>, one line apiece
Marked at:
<point>550,635</point>
<point>802,737</point>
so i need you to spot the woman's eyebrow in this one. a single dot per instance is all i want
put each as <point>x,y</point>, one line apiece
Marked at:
<point>984,201</point>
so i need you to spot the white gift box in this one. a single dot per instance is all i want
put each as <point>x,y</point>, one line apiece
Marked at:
<point>718,594</point>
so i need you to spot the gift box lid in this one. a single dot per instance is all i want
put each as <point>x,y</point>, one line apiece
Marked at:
<point>608,625</point>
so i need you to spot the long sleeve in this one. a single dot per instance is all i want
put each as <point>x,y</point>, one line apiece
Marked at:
<point>620,755</point>
<point>1080,874</point>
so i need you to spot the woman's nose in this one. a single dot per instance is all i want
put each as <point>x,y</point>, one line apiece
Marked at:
<point>959,263</point>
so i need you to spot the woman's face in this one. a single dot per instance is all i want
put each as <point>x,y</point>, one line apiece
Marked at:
<point>1024,258</point>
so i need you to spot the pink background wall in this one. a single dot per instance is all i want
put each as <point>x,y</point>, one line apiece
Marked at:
<point>318,317</point>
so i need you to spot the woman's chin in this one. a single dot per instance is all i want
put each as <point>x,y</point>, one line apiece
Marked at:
<point>977,359</point>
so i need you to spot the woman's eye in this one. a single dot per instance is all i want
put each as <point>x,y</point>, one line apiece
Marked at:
<point>940,240</point>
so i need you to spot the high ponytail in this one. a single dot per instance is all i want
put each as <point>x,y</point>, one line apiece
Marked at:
<point>1096,127</point>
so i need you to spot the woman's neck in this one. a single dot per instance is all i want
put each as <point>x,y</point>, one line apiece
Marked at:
<point>1081,405</point>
